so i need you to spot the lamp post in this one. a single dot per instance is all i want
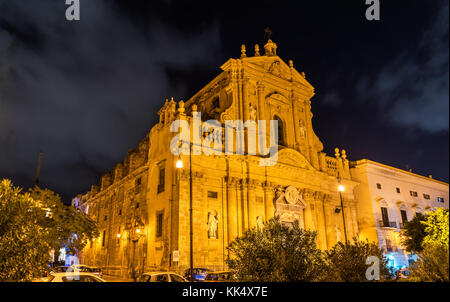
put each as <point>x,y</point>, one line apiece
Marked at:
<point>341,189</point>
<point>179,165</point>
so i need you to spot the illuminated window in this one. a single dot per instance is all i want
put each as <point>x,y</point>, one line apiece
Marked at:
<point>440,199</point>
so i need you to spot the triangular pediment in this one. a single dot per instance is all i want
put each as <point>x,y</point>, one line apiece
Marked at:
<point>272,65</point>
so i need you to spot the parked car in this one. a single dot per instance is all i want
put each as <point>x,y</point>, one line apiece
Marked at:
<point>60,269</point>
<point>199,274</point>
<point>74,277</point>
<point>161,277</point>
<point>86,269</point>
<point>222,276</point>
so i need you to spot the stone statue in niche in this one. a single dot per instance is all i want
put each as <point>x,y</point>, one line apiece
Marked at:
<point>338,233</point>
<point>302,129</point>
<point>259,223</point>
<point>252,110</point>
<point>213,223</point>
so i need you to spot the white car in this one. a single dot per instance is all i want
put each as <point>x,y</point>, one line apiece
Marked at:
<point>161,277</point>
<point>74,277</point>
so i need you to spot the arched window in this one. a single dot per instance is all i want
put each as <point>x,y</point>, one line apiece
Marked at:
<point>281,141</point>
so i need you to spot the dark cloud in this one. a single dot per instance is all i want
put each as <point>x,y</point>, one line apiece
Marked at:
<point>412,88</point>
<point>84,92</point>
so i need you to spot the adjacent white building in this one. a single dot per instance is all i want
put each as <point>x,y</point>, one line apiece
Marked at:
<point>387,197</point>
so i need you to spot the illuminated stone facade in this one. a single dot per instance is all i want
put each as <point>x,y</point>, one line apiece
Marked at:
<point>142,205</point>
<point>387,198</point>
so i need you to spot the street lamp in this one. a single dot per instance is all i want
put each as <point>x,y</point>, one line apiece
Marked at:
<point>179,165</point>
<point>341,189</point>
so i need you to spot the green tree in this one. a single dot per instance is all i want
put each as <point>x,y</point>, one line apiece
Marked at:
<point>436,227</point>
<point>414,233</point>
<point>347,262</point>
<point>67,227</point>
<point>24,249</point>
<point>432,265</point>
<point>276,253</point>
<point>433,261</point>
<point>34,223</point>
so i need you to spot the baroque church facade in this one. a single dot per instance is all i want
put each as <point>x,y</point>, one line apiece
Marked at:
<point>142,206</point>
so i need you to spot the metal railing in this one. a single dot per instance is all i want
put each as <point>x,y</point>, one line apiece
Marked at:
<point>387,224</point>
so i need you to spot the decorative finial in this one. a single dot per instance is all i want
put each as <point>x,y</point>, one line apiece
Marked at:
<point>291,63</point>
<point>336,152</point>
<point>257,50</point>
<point>344,154</point>
<point>303,75</point>
<point>194,108</point>
<point>181,107</point>
<point>243,51</point>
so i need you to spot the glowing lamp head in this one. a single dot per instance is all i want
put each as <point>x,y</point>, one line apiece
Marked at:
<point>341,188</point>
<point>118,235</point>
<point>138,231</point>
<point>179,164</point>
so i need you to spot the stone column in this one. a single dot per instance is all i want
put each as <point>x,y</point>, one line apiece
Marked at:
<point>309,222</point>
<point>232,214</point>
<point>321,222</point>
<point>261,103</point>
<point>245,99</point>
<point>268,200</point>
<point>330,222</point>
<point>296,118</point>
<point>251,204</point>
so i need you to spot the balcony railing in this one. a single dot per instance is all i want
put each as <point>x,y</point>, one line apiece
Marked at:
<point>387,224</point>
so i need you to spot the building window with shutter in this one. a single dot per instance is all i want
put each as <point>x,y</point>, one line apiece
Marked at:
<point>212,194</point>
<point>103,238</point>
<point>385,217</point>
<point>404,217</point>
<point>161,179</point>
<point>159,224</point>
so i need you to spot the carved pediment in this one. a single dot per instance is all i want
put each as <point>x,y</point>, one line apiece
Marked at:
<point>294,158</point>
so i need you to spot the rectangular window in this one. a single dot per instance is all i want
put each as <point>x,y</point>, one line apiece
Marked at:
<point>162,176</point>
<point>159,224</point>
<point>385,217</point>
<point>404,216</point>
<point>413,193</point>
<point>440,199</point>
<point>120,212</point>
<point>103,238</point>
<point>105,218</point>
<point>379,186</point>
<point>137,205</point>
<point>212,194</point>
<point>137,185</point>
<point>398,190</point>
<point>426,196</point>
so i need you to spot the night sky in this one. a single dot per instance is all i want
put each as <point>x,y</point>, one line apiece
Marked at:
<point>85,92</point>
